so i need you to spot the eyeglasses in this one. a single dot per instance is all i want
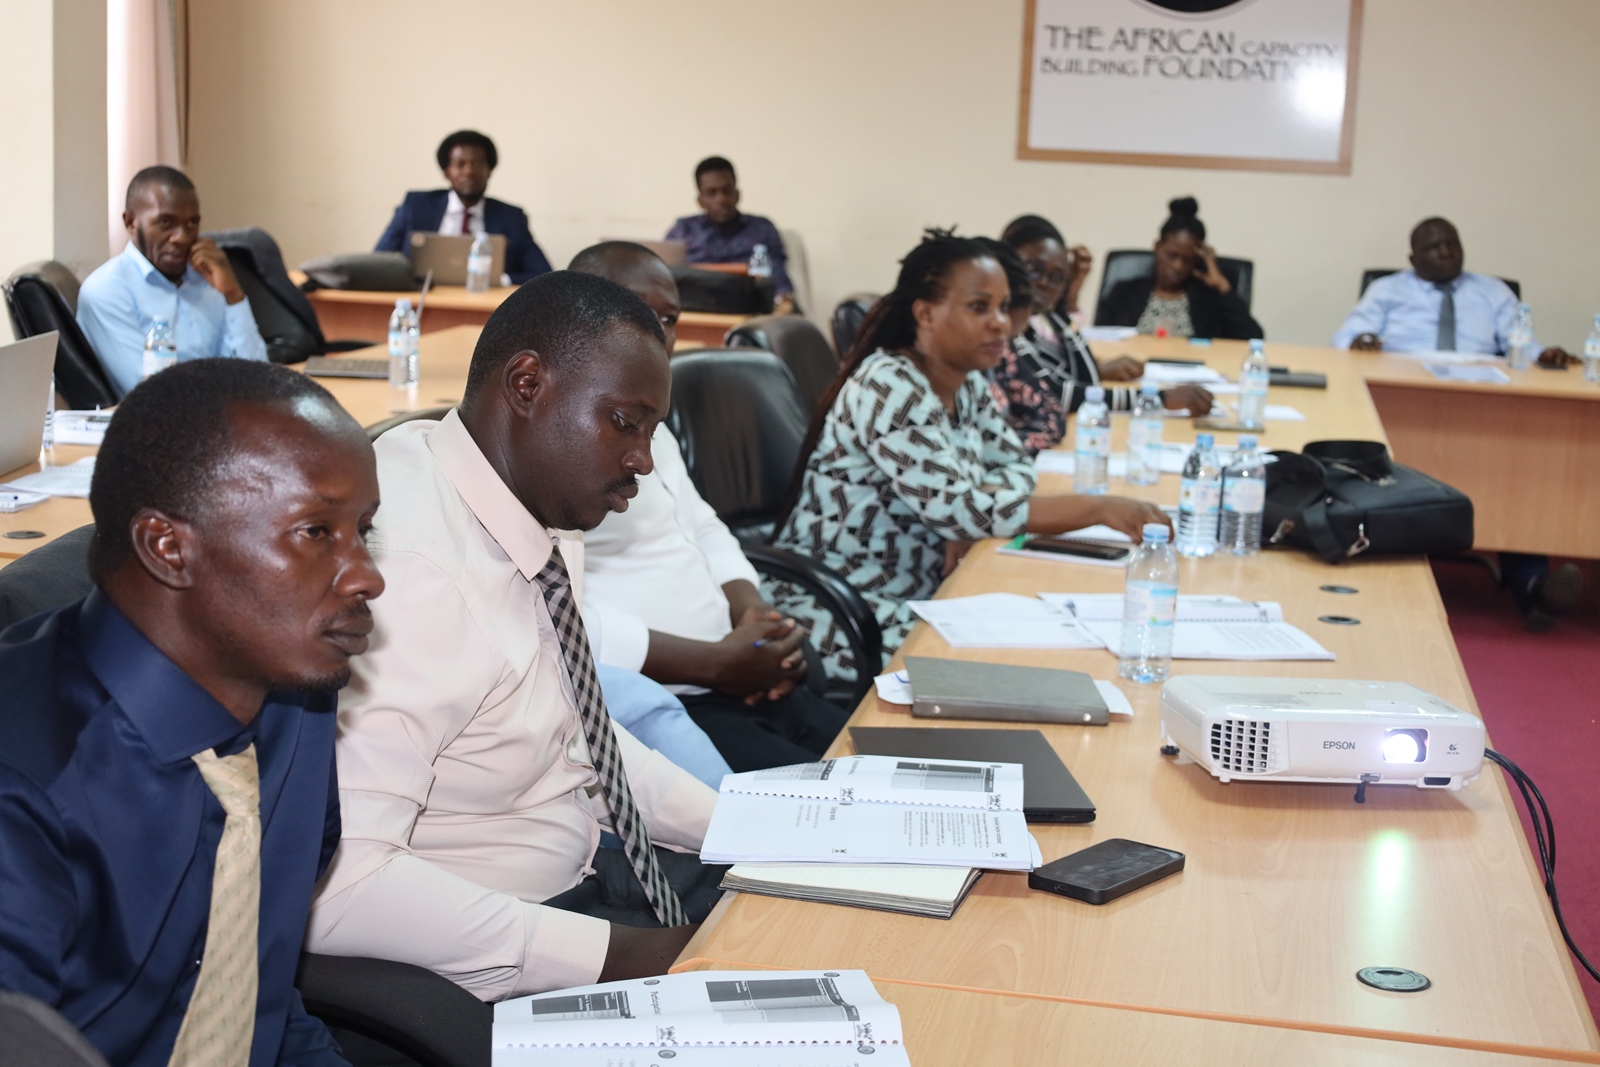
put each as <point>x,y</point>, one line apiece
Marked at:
<point>1040,271</point>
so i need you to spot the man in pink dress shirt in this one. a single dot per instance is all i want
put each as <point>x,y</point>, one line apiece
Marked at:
<point>475,784</point>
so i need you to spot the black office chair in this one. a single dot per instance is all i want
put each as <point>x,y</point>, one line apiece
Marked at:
<point>1126,264</point>
<point>799,344</point>
<point>847,319</point>
<point>33,1034</point>
<point>41,297</point>
<point>738,418</point>
<point>378,429</point>
<point>51,576</point>
<point>1370,276</point>
<point>286,319</point>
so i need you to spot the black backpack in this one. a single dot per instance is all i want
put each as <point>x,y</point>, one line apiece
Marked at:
<point>1344,498</point>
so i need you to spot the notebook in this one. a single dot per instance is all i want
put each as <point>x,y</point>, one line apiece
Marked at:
<point>704,1019</point>
<point>347,367</point>
<point>1049,792</point>
<point>958,689</point>
<point>932,892</point>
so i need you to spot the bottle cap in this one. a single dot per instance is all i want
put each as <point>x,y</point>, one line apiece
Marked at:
<point>1095,394</point>
<point>1155,531</point>
<point>404,303</point>
<point>1205,440</point>
<point>1247,440</point>
<point>1257,344</point>
<point>1152,387</point>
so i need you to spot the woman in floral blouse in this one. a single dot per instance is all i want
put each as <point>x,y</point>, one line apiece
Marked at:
<point>908,461</point>
<point>1044,377</point>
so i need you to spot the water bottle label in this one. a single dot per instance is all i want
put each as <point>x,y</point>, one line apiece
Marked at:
<point>397,345</point>
<point>1150,603</point>
<point>479,264</point>
<point>1244,496</point>
<point>156,361</point>
<point>1094,440</point>
<point>1591,348</point>
<point>1199,498</point>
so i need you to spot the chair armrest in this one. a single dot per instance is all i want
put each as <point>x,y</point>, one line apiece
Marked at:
<point>407,1008</point>
<point>837,596</point>
<point>344,346</point>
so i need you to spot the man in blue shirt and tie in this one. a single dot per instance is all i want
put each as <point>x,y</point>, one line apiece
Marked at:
<point>1437,306</point>
<point>723,234</point>
<point>167,272</point>
<point>167,786</point>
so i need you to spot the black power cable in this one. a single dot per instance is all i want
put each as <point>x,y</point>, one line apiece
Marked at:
<point>1544,837</point>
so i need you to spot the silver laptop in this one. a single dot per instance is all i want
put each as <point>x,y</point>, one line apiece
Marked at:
<point>24,396</point>
<point>672,253</point>
<point>446,257</point>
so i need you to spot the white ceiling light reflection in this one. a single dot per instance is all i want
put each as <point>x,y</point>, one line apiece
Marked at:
<point>1319,94</point>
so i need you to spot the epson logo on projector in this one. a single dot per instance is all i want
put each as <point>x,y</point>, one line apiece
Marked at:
<point>1338,744</point>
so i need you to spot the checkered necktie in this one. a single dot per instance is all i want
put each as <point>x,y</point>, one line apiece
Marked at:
<point>220,1024</point>
<point>603,750</point>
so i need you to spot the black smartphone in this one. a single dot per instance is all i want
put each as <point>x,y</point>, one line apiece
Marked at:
<point>1085,549</point>
<point>1101,873</point>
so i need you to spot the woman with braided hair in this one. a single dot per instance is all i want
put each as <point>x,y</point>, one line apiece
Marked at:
<point>908,461</point>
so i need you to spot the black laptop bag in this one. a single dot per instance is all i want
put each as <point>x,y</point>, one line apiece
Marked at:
<point>1345,498</point>
<point>722,293</point>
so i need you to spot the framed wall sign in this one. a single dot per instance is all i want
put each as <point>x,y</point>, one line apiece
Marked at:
<point>1230,84</point>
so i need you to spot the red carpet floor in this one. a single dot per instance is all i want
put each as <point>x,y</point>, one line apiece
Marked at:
<point>1540,696</point>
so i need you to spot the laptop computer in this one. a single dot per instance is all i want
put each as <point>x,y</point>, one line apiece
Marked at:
<point>672,253</point>
<point>446,257</point>
<point>25,369</point>
<point>1049,792</point>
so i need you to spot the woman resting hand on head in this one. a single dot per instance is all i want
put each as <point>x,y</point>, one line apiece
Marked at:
<point>907,453</point>
<point>1188,296</point>
<point>1043,377</point>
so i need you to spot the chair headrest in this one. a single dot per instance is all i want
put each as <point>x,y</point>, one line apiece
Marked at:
<point>56,274</point>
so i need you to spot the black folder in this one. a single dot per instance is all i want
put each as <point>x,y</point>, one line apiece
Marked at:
<point>1049,792</point>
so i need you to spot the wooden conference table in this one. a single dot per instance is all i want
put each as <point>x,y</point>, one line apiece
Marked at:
<point>346,314</point>
<point>1289,889</point>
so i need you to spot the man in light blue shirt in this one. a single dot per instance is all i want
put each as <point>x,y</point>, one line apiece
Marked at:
<point>167,271</point>
<point>652,714</point>
<point>1436,305</point>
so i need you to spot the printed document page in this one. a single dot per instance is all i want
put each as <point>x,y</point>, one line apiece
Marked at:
<point>71,480</point>
<point>863,1055</point>
<point>1002,620</point>
<point>746,1011</point>
<point>1227,640</point>
<point>755,829</point>
<point>890,779</point>
<point>1107,607</point>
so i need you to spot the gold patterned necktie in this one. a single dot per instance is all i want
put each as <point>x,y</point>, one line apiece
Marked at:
<point>574,641</point>
<point>220,1024</point>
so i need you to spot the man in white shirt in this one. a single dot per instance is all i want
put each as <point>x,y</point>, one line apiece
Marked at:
<point>477,764</point>
<point>668,591</point>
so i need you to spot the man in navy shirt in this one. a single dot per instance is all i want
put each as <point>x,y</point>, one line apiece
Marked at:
<point>725,235</point>
<point>467,158</point>
<point>167,785</point>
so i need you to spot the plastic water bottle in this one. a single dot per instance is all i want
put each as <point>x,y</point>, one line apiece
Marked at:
<point>1254,376</point>
<point>1521,354</point>
<point>160,348</point>
<point>1144,437</point>
<point>479,259</point>
<point>1200,499</point>
<point>48,441</point>
<point>760,263</point>
<point>403,369</point>
<point>1591,353</point>
<point>1244,494</point>
<point>1092,450</point>
<point>1149,609</point>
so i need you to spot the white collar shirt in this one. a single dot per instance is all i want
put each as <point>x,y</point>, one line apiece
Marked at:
<point>459,218</point>
<point>660,565</point>
<point>465,783</point>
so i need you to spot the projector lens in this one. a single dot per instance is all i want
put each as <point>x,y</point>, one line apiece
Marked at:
<point>1405,746</point>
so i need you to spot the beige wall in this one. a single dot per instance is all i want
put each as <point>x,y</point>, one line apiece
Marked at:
<point>857,122</point>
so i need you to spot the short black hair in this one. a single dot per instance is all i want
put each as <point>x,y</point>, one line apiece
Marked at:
<point>611,258</point>
<point>171,177</point>
<point>1026,229</point>
<point>1183,217</point>
<point>169,438</point>
<point>558,315</point>
<point>1416,231</point>
<point>470,138</point>
<point>710,165</point>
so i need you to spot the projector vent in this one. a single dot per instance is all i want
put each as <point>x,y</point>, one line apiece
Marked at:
<point>1242,746</point>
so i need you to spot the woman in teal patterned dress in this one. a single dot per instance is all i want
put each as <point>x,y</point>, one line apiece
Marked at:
<point>908,461</point>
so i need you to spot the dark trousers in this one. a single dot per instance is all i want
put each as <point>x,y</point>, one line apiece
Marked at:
<point>1518,572</point>
<point>773,733</point>
<point>613,892</point>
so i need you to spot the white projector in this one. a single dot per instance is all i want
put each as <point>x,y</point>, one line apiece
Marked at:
<point>1321,730</point>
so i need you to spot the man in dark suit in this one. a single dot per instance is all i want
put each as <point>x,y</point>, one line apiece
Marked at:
<point>168,795</point>
<point>467,158</point>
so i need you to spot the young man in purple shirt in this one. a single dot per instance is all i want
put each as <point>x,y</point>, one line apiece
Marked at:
<point>725,235</point>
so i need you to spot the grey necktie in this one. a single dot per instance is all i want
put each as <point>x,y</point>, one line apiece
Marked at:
<point>1447,317</point>
<point>557,588</point>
